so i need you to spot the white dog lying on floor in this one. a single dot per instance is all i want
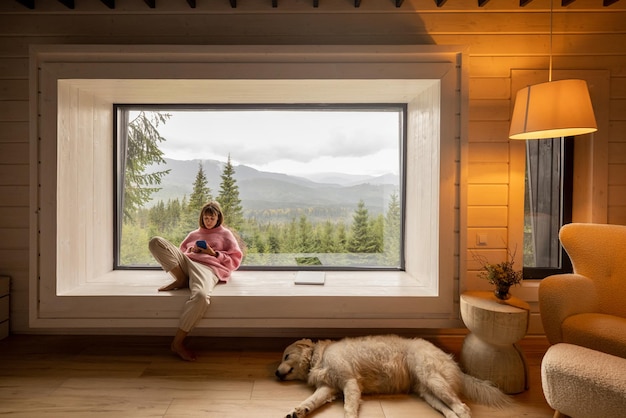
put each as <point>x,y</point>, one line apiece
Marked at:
<point>386,364</point>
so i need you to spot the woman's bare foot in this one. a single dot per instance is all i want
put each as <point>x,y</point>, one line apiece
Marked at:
<point>176,284</point>
<point>182,352</point>
<point>181,280</point>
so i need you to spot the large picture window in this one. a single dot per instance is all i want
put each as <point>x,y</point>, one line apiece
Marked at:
<point>304,187</point>
<point>79,90</point>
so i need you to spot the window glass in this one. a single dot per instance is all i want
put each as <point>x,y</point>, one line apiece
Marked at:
<point>304,187</point>
<point>549,170</point>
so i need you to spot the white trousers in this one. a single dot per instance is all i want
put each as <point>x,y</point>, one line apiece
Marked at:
<point>202,280</point>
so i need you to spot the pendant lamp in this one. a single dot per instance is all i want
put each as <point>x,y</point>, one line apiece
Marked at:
<point>553,109</point>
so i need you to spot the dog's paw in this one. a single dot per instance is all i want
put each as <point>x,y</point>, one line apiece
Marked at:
<point>298,413</point>
<point>462,411</point>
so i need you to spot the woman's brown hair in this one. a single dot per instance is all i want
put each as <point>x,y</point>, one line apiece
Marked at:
<point>213,208</point>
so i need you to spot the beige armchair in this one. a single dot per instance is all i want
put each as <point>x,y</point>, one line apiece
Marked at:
<point>588,307</point>
<point>584,317</point>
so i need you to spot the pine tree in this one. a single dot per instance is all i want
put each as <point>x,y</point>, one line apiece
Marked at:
<point>305,236</point>
<point>273,242</point>
<point>158,219</point>
<point>259,244</point>
<point>173,210</point>
<point>360,240</point>
<point>392,234</point>
<point>142,151</point>
<point>289,237</point>
<point>341,240</point>
<point>200,195</point>
<point>229,197</point>
<point>327,238</point>
<point>377,226</point>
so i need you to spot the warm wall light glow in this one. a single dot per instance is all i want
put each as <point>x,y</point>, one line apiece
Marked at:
<point>552,110</point>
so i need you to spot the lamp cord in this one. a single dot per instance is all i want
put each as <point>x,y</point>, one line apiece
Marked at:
<point>550,68</point>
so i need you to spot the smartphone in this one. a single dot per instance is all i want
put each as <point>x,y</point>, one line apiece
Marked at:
<point>201,244</point>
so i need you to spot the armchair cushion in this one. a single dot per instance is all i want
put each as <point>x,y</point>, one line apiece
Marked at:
<point>606,333</point>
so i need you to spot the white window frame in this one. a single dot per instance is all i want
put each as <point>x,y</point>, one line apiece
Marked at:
<point>72,282</point>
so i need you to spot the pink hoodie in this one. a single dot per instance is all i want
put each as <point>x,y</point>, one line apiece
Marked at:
<point>222,241</point>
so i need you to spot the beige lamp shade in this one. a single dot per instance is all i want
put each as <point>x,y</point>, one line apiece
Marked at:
<point>552,110</point>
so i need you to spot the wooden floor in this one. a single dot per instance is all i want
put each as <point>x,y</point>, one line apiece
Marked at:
<point>122,376</point>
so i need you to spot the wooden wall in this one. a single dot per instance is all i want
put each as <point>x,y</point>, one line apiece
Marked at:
<point>502,37</point>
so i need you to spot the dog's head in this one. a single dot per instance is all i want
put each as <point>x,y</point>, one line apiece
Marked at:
<point>296,361</point>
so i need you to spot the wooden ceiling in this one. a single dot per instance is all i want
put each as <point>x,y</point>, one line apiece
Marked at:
<point>71,4</point>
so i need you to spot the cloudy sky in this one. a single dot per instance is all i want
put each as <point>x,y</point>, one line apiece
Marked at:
<point>295,142</point>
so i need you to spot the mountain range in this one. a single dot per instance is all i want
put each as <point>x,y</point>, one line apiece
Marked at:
<point>261,191</point>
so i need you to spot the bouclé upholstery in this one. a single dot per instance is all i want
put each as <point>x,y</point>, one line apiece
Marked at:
<point>584,383</point>
<point>588,307</point>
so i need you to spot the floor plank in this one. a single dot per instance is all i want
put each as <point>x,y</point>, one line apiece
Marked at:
<point>134,376</point>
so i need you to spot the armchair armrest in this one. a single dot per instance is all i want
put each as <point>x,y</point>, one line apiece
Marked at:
<point>564,295</point>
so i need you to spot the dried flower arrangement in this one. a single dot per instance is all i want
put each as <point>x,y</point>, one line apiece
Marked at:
<point>502,275</point>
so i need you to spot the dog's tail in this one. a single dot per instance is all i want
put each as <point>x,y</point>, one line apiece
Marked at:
<point>484,392</point>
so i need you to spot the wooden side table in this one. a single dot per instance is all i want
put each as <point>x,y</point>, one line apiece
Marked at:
<point>490,351</point>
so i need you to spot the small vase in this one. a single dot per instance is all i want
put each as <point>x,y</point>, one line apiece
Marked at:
<point>502,292</point>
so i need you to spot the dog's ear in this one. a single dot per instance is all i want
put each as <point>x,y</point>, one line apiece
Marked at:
<point>305,342</point>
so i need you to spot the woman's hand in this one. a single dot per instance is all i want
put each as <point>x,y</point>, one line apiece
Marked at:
<point>208,250</point>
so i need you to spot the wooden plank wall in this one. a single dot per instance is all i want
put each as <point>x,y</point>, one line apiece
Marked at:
<point>501,36</point>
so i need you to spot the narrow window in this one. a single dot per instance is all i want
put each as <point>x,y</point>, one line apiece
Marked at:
<point>548,205</point>
<point>304,187</point>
